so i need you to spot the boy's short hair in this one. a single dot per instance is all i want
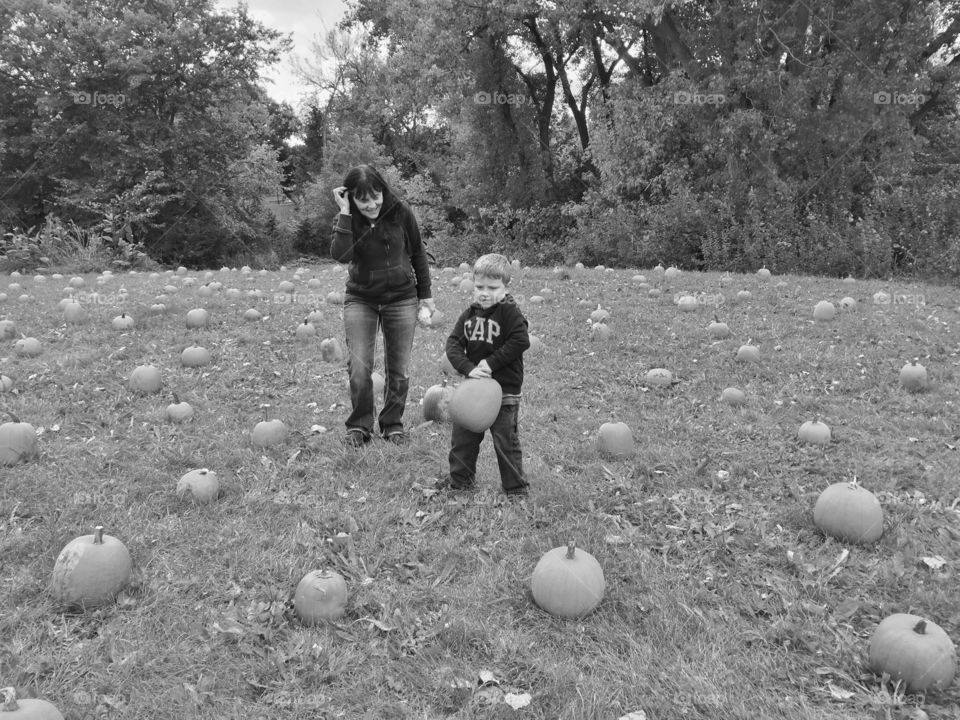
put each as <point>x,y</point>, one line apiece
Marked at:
<point>493,265</point>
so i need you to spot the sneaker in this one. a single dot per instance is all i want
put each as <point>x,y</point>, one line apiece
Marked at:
<point>397,437</point>
<point>520,493</point>
<point>355,438</point>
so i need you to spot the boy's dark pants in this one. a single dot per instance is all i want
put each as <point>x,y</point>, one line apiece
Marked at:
<point>465,447</point>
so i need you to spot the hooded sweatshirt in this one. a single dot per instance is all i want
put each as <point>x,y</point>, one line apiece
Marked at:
<point>386,258</point>
<point>498,335</point>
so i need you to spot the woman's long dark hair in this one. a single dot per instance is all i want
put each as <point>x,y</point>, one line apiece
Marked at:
<point>363,181</point>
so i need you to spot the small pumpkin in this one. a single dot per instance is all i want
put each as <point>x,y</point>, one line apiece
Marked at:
<point>267,433</point>
<point>8,329</point>
<point>306,330</point>
<point>145,379</point>
<point>14,708</point>
<point>122,322</point>
<point>436,401</point>
<point>202,485</point>
<point>824,311</point>
<point>74,312</point>
<point>91,570</point>
<point>320,595</point>
<point>194,356</point>
<point>18,441</point>
<point>748,353</point>
<point>733,396</point>
<point>815,432</point>
<point>915,650</point>
<point>27,347</point>
<point>718,330</point>
<point>913,376</point>
<point>475,403</point>
<point>179,410</point>
<point>331,350</point>
<point>688,303</point>
<point>615,439</point>
<point>659,377</point>
<point>197,318</point>
<point>849,512</point>
<point>568,582</point>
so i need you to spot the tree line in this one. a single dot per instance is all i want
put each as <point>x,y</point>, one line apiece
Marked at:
<point>805,136</point>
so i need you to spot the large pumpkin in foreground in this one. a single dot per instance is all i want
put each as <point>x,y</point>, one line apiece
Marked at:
<point>91,570</point>
<point>475,403</point>
<point>568,582</point>
<point>13,708</point>
<point>917,651</point>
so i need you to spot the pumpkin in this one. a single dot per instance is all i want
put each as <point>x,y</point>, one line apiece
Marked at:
<point>913,376</point>
<point>91,570</point>
<point>145,379</point>
<point>567,582</point>
<point>122,322</point>
<point>814,432</point>
<point>688,303</point>
<point>600,330</point>
<point>331,350</point>
<point>6,383</point>
<point>8,329</point>
<point>847,302</point>
<point>202,485</point>
<point>824,311</point>
<point>744,295</point>
<point>763,273</point>
<point>748,353</point>
<point>179,410</point>
<point>717,329</point>
<point>14,708</point>
<point>268,432</point>
<point>849,512</point>
<point>335,297</point>
<point>252,315</point>
<point>27,347</point>
<point>74,312</point>
<point>195,356</point>
<point>286,286</point>
<point>615,439</point>
<point>18,441</point>
<point>436,401</point>
<point>465,285</point>
<point>658,377</point>
<point>306,330</point>
<point>733,396</point>
<point>320,595</point>
<point>599,315</point>
<point>917,651</point>
<point>475,403</point>
<point>197,318</point>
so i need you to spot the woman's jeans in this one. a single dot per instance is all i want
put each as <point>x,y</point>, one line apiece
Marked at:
<point>362,320</point>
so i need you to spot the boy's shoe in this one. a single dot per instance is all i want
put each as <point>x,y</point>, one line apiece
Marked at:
<point>517,493</point>
<point>355,438</point>
<point>397,437</point>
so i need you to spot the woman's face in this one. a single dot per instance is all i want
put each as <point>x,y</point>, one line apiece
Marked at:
<point>369,206</point>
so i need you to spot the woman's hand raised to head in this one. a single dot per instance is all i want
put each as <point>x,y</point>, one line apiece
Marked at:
<point>343,202</point>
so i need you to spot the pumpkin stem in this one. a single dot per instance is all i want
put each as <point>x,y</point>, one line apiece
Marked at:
<point>9,699</point>
<point>98,535</point>
<point>571,546</point>
<point>920,628</point>
<point>13,417</point>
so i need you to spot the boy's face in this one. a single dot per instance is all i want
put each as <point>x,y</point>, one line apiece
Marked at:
<point>488,291</point>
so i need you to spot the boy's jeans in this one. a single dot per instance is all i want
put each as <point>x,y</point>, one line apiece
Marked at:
<point>398,321</point>
<point>465,448</point>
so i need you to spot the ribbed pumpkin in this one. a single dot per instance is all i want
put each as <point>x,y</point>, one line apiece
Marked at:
<point>849,512</point>
<point>91,570</point>
<point>320,595</point>
<point>18,441</point>
<point>436,401</point>
<point>13,708</point>
<point>475,403</point>
<point>568,582</point>
<point>917,651</point>
<point>202,485</point>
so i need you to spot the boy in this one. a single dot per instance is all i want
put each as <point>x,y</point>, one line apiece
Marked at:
<point>488,340</point>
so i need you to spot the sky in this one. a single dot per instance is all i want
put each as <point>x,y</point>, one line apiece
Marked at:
<point>305,19</point>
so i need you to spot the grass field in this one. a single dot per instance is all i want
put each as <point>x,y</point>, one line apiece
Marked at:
<point>723,600</point>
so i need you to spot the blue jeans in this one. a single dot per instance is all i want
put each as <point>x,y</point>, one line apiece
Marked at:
<point>465,448</point>
<point>362,320</point>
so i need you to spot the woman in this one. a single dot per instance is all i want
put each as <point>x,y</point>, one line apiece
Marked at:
<point>388,284</point>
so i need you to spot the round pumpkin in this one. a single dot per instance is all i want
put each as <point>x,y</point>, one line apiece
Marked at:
<point>145,379</point>
<point>568,582</point>
<point>14,708</point>
<point>306,330</point>
<point>475,403</point>
<point>202,485</point>
<point>91,570</point>
<point>814,432</point>
<point>195,356</point>
<point>824,311</point>
<point>659,377</point>
<point>733,396</point>
<point>436,401</point>
<point>122,322</point>
<point>331,350</point>
<point>615,439</point>
<point>717,329</point>
<point>913,377</point>
<point>849,512</point>
<point>197,318</point>
<point>179,410</point>
<point>268,432</point>
<point>27,347</point>
<point>917,651</point>
<point>320,595</point>
<point>18,441</point>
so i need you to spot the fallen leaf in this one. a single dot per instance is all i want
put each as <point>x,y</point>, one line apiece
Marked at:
<point>517,700</point>
<point>635,715</point>
<point>934,563</point>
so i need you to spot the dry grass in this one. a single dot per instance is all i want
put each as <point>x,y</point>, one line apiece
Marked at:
<point>723,600</point>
